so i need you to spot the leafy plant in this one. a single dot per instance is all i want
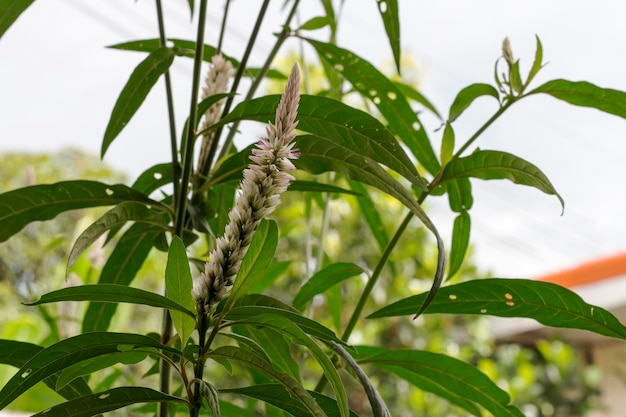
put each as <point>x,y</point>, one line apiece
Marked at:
<point>280,358</point>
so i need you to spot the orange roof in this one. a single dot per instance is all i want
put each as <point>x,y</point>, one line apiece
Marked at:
<point>589,272</point>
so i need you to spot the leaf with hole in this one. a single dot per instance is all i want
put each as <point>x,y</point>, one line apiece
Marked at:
<point>44,202</point>
<point>549,304</point>
<point>141,81</point>
<point>496,165</point>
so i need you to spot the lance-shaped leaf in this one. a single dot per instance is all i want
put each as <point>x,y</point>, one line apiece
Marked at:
<point>278,396</point>
<point>325,279</point>
<point>121,267</point>
<point>112,399</point>
<point>452,379</point>
<point>111,293</point>
<point>67,352</point>
<point>371,83</point>
<point>371,215</point>
<point>293,387</point>
<point>141,81</point>
<point>495,165</point>
<point>179,284</point>
<point>318,187</point>
<point>344,125</point>
<point>277,348</point>
<point>10,11</point>
<point>549,304</point>
<point>466,96</point>
<point>537,63</point>
<point>16,354</point>
<point>44,202</point>
<point>391,19</point>
<point>582,93</point>
<point>412,94</point>
<point>460,242</point>
<point>118,216</point>
<point>321,155</point>
<point>460,194</point>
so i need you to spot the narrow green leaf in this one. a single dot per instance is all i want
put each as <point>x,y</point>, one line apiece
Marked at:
<point>460,242</point>
<point>278,396</point>
<point>371,215</point>
<point>295,390</point>
<point>447,144</point>
<point>272,273</point>
<point>496,165</point>
<point>582,93</point>
<point>257,258</point>
<point>323,280</point>
<point>466,96</point>
<point>371,83</point>
<point>412,94</point>
<point>452,379</point>
<point>548,303</point>
<point>316,23</point>
<point>65,353</point>
<point>460,194</point>
<point>111,293</point>
<point>191,6</point>
<point>154,178</point>
<point>318,187</point>
<point>10,10</point>
<point>128,211</point>
<point>179,284</point>
<point>391,19</point>
<point>44,202</point>
<point>538,62</point>
<point>344,125</point>
<point>516,78</point>
<point>16,354</point>
<point>121,267</point>
<point>112,399</point>
<point>277,349</point>
<point>182,47</point>
<point>285,326</point>
<point>92,365</point>
<point>141,81</point>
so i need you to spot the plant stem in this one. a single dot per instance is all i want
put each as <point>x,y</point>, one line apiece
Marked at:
<point>170,105</point>
<point>223,28</point>
<point>196,402</point>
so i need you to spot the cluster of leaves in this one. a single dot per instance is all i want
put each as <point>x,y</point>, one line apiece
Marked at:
<point>265,342</point>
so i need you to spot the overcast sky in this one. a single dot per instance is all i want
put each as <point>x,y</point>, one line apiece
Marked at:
<point>58,85</point>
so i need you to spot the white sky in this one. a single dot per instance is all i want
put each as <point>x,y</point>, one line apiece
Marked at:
<point>58,85</point>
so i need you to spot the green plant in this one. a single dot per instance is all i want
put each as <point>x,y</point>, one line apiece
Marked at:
<point>277,353</point>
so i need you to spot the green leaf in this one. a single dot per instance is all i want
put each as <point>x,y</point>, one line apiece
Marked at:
<point>273,272</point>
<point>285,326</point>
<point>121,267</point>
<point>371,83</point>
<point>391,19</point>
<point>180,46</point>
<point>179,284</point>
<point>278,396</point>
<point>466,96</point>
<point>16,354</point>
<point>141,81</point>
<point>585,94</point>
<point>154,178</point>
<point>10,10</point>
<point>112,399</point>
<point>460,242</point>
<point>247,312</point>
<point>447,144</point>
<point>65,353</point>
<point>315,23</point>
<point>516,78</point>
<point>110,293</point>
<point>318,187</point>
<point>44,202</point>
<point>295,390</point>
<point>496,165</point>
<point>460,194</point>
<point>548,303</point>
<point>277,349</point>
<point>537,64</point>
<point>92,365</point>
<point>128,211</point>
<point>319,155</point>
<point>344,125</point>
<point>323,280</point>
<point>412,94</point>
<point>256,260</point>
<point>371,215</point>
<point>452,379</point>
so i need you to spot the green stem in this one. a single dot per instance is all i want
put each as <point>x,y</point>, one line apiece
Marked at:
<point>222,28</point>
<point>196,402</point>
<point>170,105</point>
